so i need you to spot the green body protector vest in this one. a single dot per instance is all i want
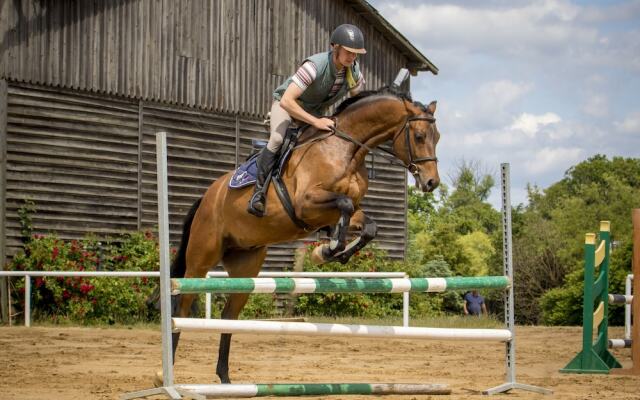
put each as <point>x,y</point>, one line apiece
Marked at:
<point>314,99</point>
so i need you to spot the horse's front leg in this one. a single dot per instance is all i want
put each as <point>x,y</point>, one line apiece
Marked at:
<point>367,231</point>
<point>326,252</point>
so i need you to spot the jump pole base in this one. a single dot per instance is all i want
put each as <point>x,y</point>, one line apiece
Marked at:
<point>171,392</point>
<point>505,387</point>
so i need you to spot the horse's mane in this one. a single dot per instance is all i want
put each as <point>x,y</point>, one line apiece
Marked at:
<point>383,91</point>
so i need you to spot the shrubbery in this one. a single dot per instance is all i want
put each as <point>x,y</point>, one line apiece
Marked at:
<point>88,300</point>
<point>102,300</point>
<point>369,305</point>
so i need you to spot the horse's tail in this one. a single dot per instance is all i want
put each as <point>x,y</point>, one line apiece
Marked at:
<point>179,264</point>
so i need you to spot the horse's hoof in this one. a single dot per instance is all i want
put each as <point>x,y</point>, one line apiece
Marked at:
<point>158,379</point>
<point>316,255</point>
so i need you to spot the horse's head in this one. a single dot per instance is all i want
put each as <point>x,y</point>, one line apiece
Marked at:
<point>415,144</point>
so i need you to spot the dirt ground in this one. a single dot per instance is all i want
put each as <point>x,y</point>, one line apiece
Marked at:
<point>93,363</point>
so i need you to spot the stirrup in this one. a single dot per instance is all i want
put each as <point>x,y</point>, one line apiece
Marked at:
<point>257,204</point>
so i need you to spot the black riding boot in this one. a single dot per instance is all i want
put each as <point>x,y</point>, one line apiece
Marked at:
<point>257,204</point>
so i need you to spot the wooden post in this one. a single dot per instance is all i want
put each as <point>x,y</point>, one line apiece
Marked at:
<point>635,305</point>
<point>4,296</point>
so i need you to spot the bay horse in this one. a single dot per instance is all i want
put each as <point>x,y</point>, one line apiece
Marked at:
<point>326,179</point>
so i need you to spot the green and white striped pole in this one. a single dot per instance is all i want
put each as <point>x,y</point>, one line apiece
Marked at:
<point>314,389</point>
<point>335,285</point>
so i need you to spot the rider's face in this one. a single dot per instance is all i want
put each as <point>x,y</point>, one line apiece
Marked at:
<point>345,57</point>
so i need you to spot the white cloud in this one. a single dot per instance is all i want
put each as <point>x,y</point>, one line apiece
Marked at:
<point>549,34</point>
<point>540,84</point>
<point>530,124</point>
<point>631,124</point>
<point>497,95</point>
<point>506,29</point>
<point>548,158</point>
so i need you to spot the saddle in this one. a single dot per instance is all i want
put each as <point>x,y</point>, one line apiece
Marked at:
<point>246,174</point>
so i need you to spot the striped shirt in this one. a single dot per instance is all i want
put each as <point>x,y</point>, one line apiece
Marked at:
<point>306,74</point>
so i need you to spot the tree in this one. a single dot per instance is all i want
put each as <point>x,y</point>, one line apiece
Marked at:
<point>461,225</point>
<point>548,244</point>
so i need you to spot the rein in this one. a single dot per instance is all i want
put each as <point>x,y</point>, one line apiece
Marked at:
<point>392,158</point>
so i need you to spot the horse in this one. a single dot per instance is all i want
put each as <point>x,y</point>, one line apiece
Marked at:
<point>327,180</point>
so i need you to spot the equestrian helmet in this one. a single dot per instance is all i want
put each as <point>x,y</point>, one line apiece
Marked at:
<point>349,37</point>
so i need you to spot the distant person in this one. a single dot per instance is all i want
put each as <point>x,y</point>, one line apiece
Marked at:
<point>474,304</point>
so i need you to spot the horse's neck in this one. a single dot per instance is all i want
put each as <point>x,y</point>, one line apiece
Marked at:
<point>372,125</point>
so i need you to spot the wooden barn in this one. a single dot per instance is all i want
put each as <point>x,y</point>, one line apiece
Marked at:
<point>84,86</point>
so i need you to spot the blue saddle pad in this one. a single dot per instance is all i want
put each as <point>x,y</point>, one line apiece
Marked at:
<point>246,174</point>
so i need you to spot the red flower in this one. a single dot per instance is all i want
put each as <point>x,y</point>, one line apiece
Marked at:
<point>54,253</point>
<point>86,288</point>
<point>39,282</point>
<point>66,294</point>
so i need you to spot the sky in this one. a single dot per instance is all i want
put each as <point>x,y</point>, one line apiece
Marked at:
<point>541,85</point>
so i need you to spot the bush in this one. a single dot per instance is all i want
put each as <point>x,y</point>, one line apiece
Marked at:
<point>88,300</point>
<point>103,300</point>
<point>366,305</point>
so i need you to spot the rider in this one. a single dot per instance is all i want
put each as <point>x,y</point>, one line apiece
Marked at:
<point>319,82</point>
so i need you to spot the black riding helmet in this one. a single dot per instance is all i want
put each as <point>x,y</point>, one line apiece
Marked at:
<point>349,37</point>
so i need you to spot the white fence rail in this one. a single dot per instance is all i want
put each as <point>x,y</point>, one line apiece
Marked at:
<point>213,274</point>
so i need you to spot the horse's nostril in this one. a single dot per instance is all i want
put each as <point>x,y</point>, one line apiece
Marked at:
<point>430,185</point>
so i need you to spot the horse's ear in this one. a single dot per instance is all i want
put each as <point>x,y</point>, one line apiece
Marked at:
<point>431,108</point>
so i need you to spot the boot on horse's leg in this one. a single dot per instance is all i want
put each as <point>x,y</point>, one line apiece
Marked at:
<point>326,252</point>
<point>257,204</point>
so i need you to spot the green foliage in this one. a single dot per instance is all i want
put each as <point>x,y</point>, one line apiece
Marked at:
<point>478,251</point>
<point>548,248</point>
<point>463,229</point>
<point>24,217</point>
<point>450,302</point>
<point>88,300</point>
<point>563,305</point>
<point>365,305</point>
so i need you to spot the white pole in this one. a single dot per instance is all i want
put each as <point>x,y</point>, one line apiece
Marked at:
<point>207,304</point>
<point>627,307</point>
<point>405,309</point>
<point>163,237</point>
<point>312,329</point>
<point>27,301</point>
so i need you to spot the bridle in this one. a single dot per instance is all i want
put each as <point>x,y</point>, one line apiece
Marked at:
<point>411,165</point>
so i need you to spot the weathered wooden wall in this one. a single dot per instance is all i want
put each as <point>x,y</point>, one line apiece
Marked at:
<point>84,85</point>
<point>88,162</point>
<point>223,55</point>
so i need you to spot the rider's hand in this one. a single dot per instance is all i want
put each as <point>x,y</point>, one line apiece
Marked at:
<point>324,124</point>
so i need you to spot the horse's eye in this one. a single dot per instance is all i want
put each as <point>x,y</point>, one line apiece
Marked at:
<point>420,137</point>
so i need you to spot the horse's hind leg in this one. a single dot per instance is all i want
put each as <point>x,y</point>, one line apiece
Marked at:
<point>239,264</point>
<point>201,255</point>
